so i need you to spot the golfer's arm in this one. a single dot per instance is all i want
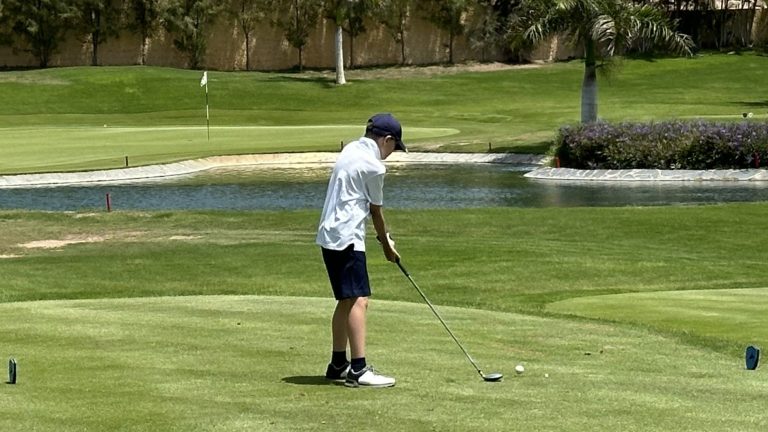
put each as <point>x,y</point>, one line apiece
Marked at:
<point>377,214</point>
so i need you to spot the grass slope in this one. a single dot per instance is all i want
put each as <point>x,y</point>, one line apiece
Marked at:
<point>715,314</point>
<point>515,109</point>
<point>228,363</point>
<point>505,259</point>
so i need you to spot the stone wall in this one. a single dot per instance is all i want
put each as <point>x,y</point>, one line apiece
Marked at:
<point>425,44</point>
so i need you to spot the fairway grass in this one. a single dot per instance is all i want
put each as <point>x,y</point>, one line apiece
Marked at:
<point>245,363</point>
<point>129,321</point>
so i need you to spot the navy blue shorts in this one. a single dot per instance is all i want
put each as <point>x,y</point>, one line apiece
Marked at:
<point>348,273</point>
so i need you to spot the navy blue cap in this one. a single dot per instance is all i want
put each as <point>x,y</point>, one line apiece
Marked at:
<point>386,124</point>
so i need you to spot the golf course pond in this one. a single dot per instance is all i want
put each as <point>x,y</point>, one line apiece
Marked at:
<point>407,186</point>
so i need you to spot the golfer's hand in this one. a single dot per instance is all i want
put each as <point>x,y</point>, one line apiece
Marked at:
<point>389,249</point>
<point>391,254</point>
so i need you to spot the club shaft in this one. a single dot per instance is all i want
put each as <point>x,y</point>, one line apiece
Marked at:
<point>434,311</point>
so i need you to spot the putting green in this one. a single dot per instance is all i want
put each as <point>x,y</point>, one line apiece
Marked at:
<point>737,315</point>
<point>86,148</point>
<point>245,363</point>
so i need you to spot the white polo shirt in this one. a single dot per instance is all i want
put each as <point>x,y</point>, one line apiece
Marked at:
<point>357,181</point>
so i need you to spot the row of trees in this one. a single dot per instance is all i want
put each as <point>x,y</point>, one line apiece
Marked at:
<point>39,26</point>
<point>715,23</point>
<point>603,28</point>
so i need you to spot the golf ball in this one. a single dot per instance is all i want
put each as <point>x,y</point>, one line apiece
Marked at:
<point>519,369</point>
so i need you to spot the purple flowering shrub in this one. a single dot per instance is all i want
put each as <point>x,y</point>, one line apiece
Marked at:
<point>663,145</point>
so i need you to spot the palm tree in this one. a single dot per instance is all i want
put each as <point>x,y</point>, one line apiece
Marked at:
<point>605,28</point>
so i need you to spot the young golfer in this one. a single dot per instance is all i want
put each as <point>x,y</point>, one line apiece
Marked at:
<point>355,192</point>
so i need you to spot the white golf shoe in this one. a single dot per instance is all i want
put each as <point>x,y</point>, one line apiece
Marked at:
<point>367,377</point>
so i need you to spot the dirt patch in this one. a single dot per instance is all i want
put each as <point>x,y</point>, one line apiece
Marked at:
<point>85,215</point>
<point>56,244</point>
<point>184,237</point>
<point>31,78</point>
<point>9,256</point>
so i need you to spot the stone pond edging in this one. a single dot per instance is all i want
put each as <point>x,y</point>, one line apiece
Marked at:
<point>290,160</point>
<point>647,175</point>
<point>310,159</point>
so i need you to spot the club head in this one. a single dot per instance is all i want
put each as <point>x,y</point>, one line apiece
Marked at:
<point>493,377</point>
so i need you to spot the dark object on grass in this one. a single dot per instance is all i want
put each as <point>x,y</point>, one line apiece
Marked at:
<point>752,357</point>
<point>12,371</point>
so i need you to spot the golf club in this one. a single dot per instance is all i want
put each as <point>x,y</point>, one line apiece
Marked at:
<point>491,377</point>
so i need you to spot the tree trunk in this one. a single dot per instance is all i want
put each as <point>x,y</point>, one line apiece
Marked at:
<point>43,59</point>
<point>751,23</point>
<point>402,48</point>
<point>96,17</point>
<point>95,49</point>
<point>723,21</point>
<point>301,59</point>
<point>246,25</point>
<point>340,79</point>
<point>589,85</point>
<point>247,51</point>
<point>553,48</point>
<point>144,47</point>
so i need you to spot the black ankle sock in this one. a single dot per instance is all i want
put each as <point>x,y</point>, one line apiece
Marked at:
<point>339,358</point>
<point>358,364</point>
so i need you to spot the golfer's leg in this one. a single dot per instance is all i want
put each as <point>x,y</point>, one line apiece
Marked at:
<point>339,324</point>
<point>356,327</point>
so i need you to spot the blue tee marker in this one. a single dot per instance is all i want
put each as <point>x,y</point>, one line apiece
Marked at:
<point>752,357</point>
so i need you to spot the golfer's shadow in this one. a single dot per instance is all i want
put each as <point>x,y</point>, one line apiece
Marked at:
<point>311,380</point>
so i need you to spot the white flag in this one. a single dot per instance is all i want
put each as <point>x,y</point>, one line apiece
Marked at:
<point>204,80</point>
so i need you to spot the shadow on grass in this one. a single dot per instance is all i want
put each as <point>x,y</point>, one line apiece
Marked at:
<point>541,148</point>
<point>753,104</point>
<point>319,80</point>
<point>313,380</point>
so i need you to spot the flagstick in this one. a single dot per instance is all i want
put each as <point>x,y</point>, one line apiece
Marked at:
<point>204,82</point>
<point>207,115</point>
